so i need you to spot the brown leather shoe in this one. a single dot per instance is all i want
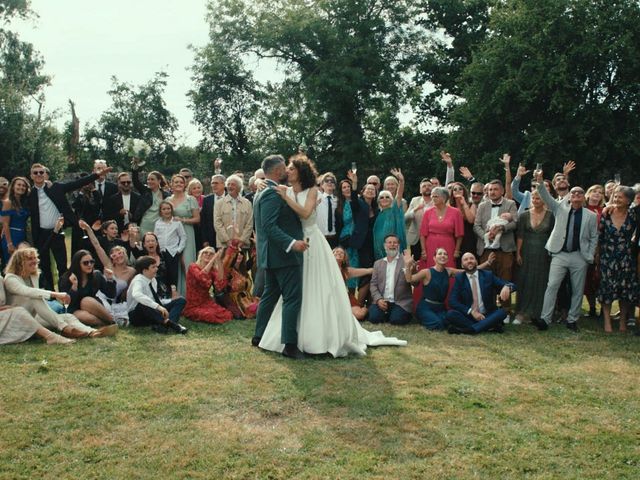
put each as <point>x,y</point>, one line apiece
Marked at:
<point>71,332</point>
<point>108,331</point>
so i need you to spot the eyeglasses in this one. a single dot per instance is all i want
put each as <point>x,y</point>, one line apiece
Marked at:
<point>385,197</point>
<point>477,193</point>
<point>86,263</point>
<point>577,192</point>
<point>125,182</point>
<point>38,172</point>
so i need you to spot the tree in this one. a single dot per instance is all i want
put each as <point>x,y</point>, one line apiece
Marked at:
<point>343,58</point>
<point>555,80</point>
<point>136,112</point>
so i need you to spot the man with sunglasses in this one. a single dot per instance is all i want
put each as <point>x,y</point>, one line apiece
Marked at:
<point>47,203</point>
<point>326,209</point>
<point>119,206</point>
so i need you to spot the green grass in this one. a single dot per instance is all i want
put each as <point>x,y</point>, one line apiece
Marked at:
<point>520,405</point>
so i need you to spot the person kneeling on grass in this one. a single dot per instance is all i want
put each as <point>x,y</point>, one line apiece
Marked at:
<point>144,304</point>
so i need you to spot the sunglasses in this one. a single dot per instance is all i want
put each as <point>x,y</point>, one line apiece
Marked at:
<point>477,193</point>
<point>125,182</point>
<point>86,263</point>
<point>38,172</point>
<point>384,197</point>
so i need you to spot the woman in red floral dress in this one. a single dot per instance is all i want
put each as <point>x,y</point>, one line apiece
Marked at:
<point>202,274</point>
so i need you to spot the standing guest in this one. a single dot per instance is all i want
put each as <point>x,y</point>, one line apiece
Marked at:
<point>14,216</point>
<point>348,273</point>
<point>609,187</point>
<point>207,227</point>
<point>390,291</point>
<point>352,221</point>
<point>391,184</point>
<point>85,206</point>
<point>204,273</point>
<point>147,211</point>
<point>103,188</point>
<point>326,209</point>
<point>121,205</point>
<point>534,227</point>
<point>17,325</point>
<point>497,234</point>
<point>22,289</point>
<point>4,188</point>
<point>390,218</point>
<point>194,188</point>
<point>472,301</point>
<point>595,202</point>
<point>572,245</point>
<point>172,240</point>
<point>460,199</point>
<point>252,188</point>
<point>186,174</point>
<point>233,216</point>
<point>146,307</point>
<point>82,283</point>
<point>442,226</point>
<point>47,203</point>
<point>375,181</point>
<point>185,210</point>
<point>477,194</point>
<point>619,276</point>
<point>414,214</point>
<point>366,255</point>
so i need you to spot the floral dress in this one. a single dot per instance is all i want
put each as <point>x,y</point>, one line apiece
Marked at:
<point>200,306</point>
<point>618,275</point>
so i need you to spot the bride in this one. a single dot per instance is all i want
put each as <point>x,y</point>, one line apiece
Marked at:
<point>325,324</point>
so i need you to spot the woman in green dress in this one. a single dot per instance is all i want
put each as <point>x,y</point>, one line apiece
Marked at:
<point>147,212</point>
<point>534,227</point>
<point>187,211</point>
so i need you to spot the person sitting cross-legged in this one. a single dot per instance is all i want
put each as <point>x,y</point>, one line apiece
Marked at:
<point>144,304</point>
<point>472,300</point>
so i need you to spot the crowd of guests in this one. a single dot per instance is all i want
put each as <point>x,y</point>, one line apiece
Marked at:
<point>146,253</point>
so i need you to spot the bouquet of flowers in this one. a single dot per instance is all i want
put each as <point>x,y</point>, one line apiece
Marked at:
<point>138,150</point>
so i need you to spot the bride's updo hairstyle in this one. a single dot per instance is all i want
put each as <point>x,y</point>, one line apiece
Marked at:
<point>307,172</point>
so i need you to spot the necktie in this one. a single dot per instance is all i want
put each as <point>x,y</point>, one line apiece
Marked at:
<point>330,215</point>
<point>572,219</point>
<point>101,188</point>
<point>155,294</point>
<point>474,292</point>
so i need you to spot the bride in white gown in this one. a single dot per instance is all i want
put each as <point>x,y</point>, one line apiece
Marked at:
<point>325,324</point>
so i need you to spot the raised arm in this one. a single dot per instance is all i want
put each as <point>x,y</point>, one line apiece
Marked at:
<point>446,158</point>
<point>506,161</point>
<point>396,172</point>
<point>102,255</point>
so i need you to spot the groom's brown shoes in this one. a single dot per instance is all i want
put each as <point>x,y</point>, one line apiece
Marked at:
<point>291,351</point>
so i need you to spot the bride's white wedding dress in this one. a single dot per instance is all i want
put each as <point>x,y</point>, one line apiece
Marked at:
<point>325,323</point>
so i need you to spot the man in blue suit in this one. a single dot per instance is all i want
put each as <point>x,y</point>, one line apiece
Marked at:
<point>473,299</point>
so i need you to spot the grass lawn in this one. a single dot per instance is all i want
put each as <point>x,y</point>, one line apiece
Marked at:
<point>519,405</point>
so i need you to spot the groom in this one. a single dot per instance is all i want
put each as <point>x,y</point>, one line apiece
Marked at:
<point>280,255</point>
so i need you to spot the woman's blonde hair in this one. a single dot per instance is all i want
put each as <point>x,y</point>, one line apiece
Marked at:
<point>18,260</point>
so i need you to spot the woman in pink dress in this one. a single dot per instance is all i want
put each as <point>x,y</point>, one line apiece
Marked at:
<point>442,227</point>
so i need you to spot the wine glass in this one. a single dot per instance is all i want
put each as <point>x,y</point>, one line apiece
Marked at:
<point>354,167</point>
<point>616,178</point>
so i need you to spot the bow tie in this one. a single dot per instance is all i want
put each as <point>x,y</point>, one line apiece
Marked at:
<point>496,205</point>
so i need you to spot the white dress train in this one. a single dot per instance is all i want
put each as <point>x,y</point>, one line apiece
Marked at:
<point>325,323</point>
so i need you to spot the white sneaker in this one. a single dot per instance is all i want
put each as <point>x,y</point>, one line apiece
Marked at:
<point>506,320</point>
<point>516,321</point>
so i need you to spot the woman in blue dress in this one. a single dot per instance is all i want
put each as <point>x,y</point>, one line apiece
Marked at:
<point>431,310</point>
<point>14,216</point>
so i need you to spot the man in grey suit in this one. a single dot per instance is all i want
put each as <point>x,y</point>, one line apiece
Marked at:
<point>390,291</point>
<point>413,216</point>
<point>496,206</point>
<point>572,245</point>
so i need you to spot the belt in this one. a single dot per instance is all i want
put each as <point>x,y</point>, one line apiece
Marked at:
<point>433,301</point>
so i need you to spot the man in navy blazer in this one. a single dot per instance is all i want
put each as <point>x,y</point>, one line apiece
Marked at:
<point>475,315</point>
<point>207,230</point>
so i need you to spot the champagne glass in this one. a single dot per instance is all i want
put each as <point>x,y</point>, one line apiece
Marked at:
<point>616,178</point>
<point>354,167</point>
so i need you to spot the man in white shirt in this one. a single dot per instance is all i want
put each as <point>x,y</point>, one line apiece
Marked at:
<point>390,291</point>
<point>326,209</point>
<point>144,305</point>
<point>414,214</point>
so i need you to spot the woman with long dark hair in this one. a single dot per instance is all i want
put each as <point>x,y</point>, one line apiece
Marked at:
<point>151,194</point>
<point>14,216</point>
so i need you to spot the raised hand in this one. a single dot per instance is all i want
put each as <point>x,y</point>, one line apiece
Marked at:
<point>83,225</point>
<point>506,159</point>
<point>446,157</point>
<point>568,167</point>
<point>396,172</point>
<point>522,171</point>
<point>108,273</point>
<point>466,173</point>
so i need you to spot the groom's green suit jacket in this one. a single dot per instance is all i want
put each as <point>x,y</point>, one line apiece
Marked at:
<point>277,225</point>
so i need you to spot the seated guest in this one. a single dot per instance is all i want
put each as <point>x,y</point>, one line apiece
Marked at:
<point>472,300</point>
<point>82,283</point>
<point>390,292</point>
<point>150,246</point>
<point>17,325</point>
<point>22,289</point>
<point>204,273</point>
<point>145,306</point>
<point>348,272</point>
<point>237,297</point>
